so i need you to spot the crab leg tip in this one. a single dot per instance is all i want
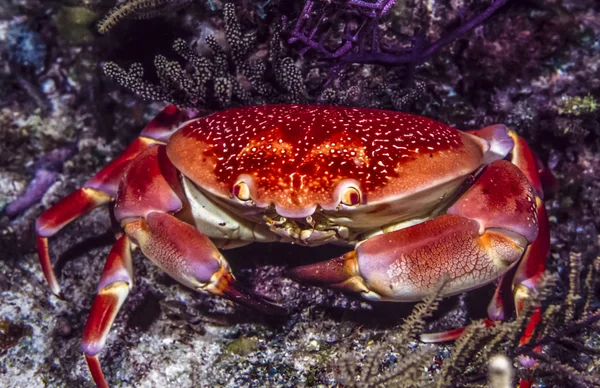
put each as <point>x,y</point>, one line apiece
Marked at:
<point>444,336</point>
<point>449,335</point>
<point>44,255</point>
<point>96,371</point>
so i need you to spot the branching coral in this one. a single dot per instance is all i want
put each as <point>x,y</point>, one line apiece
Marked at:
<point>409,370</point>
<point>341,32</point>
<point>313,26</point>
<point>235,75</point>
<point>371,93</point>
<point>567,326</point>
<point>229,78</point>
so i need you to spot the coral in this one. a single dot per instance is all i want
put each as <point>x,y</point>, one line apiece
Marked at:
<point>142,9</point>
<point>360,39</point>
<point>409,370</point>
<point>314,26</point>
<point>371,92</point>
<point>46,171</point>
<point>236,75</point>
<point>231,78</point>
<point>147,9</point>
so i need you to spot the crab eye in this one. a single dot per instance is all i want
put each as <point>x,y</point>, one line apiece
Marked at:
<point>351,196</point>
<point>241,191</point>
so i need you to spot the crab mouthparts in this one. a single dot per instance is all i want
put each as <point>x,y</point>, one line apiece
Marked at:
<point>312,230</point>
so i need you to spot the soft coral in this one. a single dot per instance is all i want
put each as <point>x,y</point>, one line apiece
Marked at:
<point>357,23</point>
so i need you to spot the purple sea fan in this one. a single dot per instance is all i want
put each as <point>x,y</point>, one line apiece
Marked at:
<point>349,31</point>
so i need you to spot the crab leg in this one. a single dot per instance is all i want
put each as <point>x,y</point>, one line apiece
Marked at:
<point>483,235</point>
<point>149,199</point>
<point>114,286</point>
<point>101,189</point>
<point>58,216</point>
<point>406,265</point>
<point>525,280</point>
<point>533,264</point>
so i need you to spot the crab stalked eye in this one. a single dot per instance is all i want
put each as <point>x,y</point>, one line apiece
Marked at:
<point>351,196</point>
<point>241,191</point>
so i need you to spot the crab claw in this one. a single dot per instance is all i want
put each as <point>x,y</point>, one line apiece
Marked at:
<point>225,286</point>
<point>406,265</point>
<point>475,243</point>
<point>223,283</point>
<point>191,258</point>
<point>341,273</point>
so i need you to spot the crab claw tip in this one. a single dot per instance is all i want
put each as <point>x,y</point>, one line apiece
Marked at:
<point>226,287</point>
<point>339,273</point>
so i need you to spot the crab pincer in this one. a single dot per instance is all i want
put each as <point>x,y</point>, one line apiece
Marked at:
<point>474,243</point>
<point>191,258</point>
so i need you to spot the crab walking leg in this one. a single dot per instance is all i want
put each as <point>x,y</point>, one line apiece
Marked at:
<point>536,233</point>
<point>523,282</point>
<point>191,258</point>
<point>157,185</point>
<point>114,286</point>
<point>58,216</point>
<point>532,266</point>
<point>522,157</point>
<point>101,189</point>
<point>483,235</point>
<point>526,278</point>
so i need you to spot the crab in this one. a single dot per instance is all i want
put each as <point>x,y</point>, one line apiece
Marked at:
<point>414,199</point>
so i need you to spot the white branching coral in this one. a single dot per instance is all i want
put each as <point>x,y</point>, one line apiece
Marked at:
<point>228,79</point>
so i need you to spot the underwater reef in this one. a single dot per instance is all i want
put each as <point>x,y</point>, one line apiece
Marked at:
<point>80,78</point>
